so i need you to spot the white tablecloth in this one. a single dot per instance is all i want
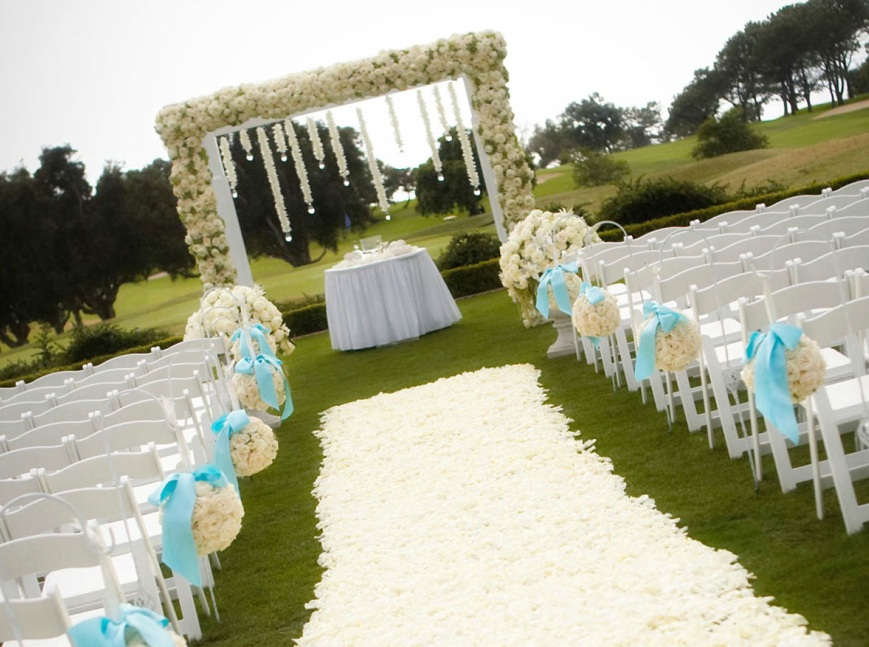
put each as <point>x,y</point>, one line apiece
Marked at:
<point>387,301</point>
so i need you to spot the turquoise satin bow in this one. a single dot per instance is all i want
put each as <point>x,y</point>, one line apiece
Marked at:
<point>105,632</point>
<point>261,367</point>
<point>593,295</point>
<point>177,494</point>
<point>555,277</point>
<point>225,426</point>
<point>663,318</point>
<point>771,389</point>
<point>256,332</point>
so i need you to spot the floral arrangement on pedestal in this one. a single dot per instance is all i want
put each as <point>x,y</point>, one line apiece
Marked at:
<point>595,313</point>
<point>535,245</point>
<point>783,367</point>
<point>669,341</point>
<point>201,513</point>
<point>220,312</point>
<point>479,57</point>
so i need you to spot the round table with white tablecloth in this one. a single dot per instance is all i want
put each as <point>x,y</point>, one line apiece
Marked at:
<point>387,299</point>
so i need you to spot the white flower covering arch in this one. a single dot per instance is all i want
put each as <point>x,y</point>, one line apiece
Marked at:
<point>479,57</point>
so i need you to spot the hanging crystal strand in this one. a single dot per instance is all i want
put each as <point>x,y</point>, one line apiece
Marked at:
<point>269,163</point>
<point>316,143</point>
<point>393,118</point>
<point>244,138</point>
<point>442,114</point>
<point>337,148</point>
<point>435,155</point>
<point>467,151</point>
<point>228,165</point>
<point>299,161</point>
<point>280,140</point>
<point>372,164</point>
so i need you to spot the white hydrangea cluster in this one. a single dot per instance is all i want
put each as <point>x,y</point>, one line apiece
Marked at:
<point>216,517</point>
<point>478,56</point>
<point>220,314</point>
<point>676,349</point>
<point>596,319</point>
<point>534,245</point>
<point>253,448</point>
<point>805,366</point>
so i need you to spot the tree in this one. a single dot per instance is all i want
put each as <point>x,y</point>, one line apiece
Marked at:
<point>739,68</point>
<point>730,134</point>
<point>334,202</point>
<point>454,192</point>
<point>697,102</point>
<point>397,179</point>
<point>593,124</point>
<point>642,126</point>
<point>835,28</point>
<point>548,142</point>
<point>592,168</point>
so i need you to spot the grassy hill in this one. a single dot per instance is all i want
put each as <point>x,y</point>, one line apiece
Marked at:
<point>805,148</point>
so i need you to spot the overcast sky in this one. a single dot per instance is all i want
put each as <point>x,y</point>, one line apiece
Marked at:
<point>94,73</point>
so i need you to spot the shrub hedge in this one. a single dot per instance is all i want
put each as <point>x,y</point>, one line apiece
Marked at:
<point>684,219</point>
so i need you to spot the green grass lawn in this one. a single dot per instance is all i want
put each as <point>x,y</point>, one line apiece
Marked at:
<point>810,567</point>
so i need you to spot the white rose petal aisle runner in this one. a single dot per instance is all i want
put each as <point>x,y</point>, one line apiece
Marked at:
<point>465,512</point>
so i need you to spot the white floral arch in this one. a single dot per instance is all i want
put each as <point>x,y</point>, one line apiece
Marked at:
<point>189,132</point>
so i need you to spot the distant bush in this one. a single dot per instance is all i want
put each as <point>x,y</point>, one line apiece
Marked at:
<point>307,319</point>
<point>593,168</point>
<point>473,279</point>
<point>469,248</point>
<point>639,200</point>
<point>106,339</point>
<point>729,134</point>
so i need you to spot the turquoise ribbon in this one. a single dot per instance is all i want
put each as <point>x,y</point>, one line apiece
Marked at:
<point>555,277</point>
<point>177,494</point>
<point>225,426</point>
<point>105,632</point>
<point>261,366</point>
<point>661,317</point>
<point>256,332</point>
<point>771,389</point>
<point>593,295</point>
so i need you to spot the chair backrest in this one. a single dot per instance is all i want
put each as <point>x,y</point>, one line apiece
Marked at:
<point>110,377</point>
<point>39,618</point>
<point>745,245</point>
<point>675,288</point>
<point>854,188</point>
<point>795,224</point>
<point>140,467</point>
<point>857,208</point>
<point>57,379</point>
<point>50,433</point>
<point>778,256</point>
<point>614,271</point>
<point>12,488</point>
<point>860,238</point>
<point>35,395</point>
<point>13,411</point>
<point>858,281</point>
<point>712,240</point>
<point>760,220</point>
<point>795,200</point>
<point>120,362</point>
<point>93,391</point>
<point>51,457</point>
<point>791,301</point>
<point>68,411</point>
<point>718,296</point>
<point>831,204</point>
<point>848,321</point>
<point>722,220</point>
<point>833,264</point>
<point>847,225</point>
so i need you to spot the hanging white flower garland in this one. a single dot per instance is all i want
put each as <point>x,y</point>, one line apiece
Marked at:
<point>433,145</point>
<point>269,163</point>
<point>280,140</point>
<point>228,165</point>
<point>244,138</point>
<point>442,114</point>
<point>467,151</point>
<point>316,143</point>
<point>299,161</point>
<point>393,119</point>
<point>372,164</point>
<point>337,148</point>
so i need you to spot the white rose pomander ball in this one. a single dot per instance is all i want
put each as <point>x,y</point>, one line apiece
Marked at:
<point>177,641</point>
<point>806,370</point>
<point>573,283</point>
<point>247,390</point>
<point>216,517</point>
<point>676,349</point>
<point>253,448</point>
<point>596,319</point>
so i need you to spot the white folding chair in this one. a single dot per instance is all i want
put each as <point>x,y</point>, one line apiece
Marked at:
<point>832,264</point>
<point>40,618</point>
<point>20,461</point>
<point>48,434</point>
